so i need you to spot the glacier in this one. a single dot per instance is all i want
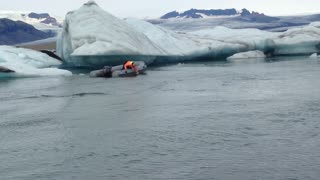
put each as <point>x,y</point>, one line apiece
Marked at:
<point>20,62</point>
<point>93,37</point>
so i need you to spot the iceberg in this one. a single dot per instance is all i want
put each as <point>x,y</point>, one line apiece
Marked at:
<point>248,55</point>
<point>295,41</point>
<point>91,33</point>
<point>93,37</point>
<point>20,62</point>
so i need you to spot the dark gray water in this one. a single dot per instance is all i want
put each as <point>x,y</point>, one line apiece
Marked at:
<point>237,120</point>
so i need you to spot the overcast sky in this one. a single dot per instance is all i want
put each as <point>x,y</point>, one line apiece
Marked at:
<point>156,8</point>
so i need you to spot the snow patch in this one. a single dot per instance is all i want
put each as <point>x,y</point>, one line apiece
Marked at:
<point>217,16</point>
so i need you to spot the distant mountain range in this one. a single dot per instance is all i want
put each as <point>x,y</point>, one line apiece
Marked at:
<point>39,21</point>
<point>14,32</point>
<point>20,27</point>
<point>200,13</point>
<point>196,19</point>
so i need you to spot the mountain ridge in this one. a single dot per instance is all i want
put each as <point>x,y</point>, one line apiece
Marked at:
<point>205,13</point>
<point>38,20</point>
<point>238,19</point>
<point>14,32</point>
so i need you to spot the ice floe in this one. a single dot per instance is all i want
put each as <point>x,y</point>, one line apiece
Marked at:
<point>20,62</point>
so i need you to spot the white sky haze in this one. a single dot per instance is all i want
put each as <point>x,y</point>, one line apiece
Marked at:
<point>156,8</point>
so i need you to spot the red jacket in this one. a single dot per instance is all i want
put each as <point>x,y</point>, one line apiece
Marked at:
<point>130,65</point>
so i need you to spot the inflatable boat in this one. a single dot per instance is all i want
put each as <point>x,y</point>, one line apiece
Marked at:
<point>118,71</point>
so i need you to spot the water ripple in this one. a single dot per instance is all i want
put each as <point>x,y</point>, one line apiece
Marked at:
<point>57,96</point>
<point>9,124</point>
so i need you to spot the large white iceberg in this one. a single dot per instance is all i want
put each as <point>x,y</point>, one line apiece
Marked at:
<point>20,62</point>
<point>93,37</point>
<point>91,31</point>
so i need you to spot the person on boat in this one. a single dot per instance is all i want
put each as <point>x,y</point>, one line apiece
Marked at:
<point>130,65</point>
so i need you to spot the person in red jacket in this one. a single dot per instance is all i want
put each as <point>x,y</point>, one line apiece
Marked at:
<point>130,65</point>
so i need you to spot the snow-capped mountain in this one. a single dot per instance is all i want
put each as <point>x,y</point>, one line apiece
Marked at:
<point>214,13</point>
<point>195,19</point>
<point>199,13</point>
<point>40,21</point>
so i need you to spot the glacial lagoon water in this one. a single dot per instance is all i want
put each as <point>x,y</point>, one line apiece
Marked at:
<point>226,120</point>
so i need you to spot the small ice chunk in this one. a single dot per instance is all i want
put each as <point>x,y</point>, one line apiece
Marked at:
<point>248,55</point>
<point>314,56</point>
